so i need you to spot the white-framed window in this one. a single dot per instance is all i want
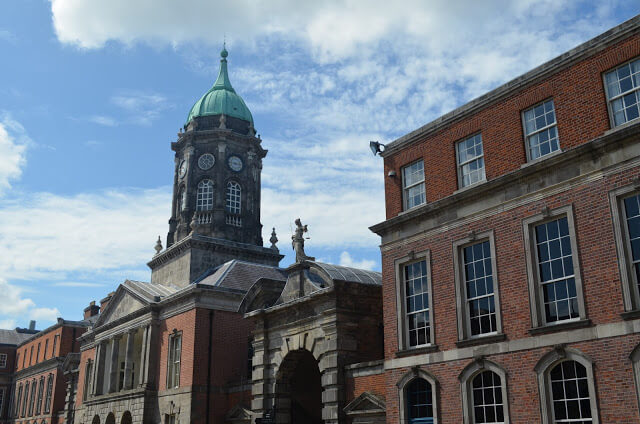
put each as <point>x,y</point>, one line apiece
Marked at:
<point>16,409</point>
<point>88,373</point>
<point>3,360</point>
<point>478,302</point>
<point>540,130</point>
<point>555,285</point>
<point>484,393</point>
<point>234,197</point>
<point>567,388</point>
<point>24,402</point>
<point>204,197</point>
<point>625,208</point>
<point>32,397</point>
<point>413,193</point>
<point>55,345</point>
<point>418,397</point>
<point>414,301</point>
<point>470,161</point>
<point>622,86</point>
<point>173,360</point>
<point>40,394</point>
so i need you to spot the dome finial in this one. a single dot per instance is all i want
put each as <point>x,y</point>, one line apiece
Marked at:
<point>224,53</point>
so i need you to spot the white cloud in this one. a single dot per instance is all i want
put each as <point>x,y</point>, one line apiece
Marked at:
<point>107,121</point>
<point>13,146</point>
<point>76,284</point>
<point>347,260</point>
<point>14,306</point>
<point>45,234</point>
<point>8,324</point>
<point>142,108</point>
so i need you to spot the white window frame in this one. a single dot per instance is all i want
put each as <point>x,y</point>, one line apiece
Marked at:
<point>610,99</point>
<point>205,195</point>
<point>401,309</point>
<point>40,395</point>
<point>544,367</point>
<point>233,198</point>
<point>538,317</point>
<point>402,385</point>
<point>407,188</point>
<point>466,377</point>
<point>174,357</point>
<point>462,304</point>
<point>461,165</point>
<point>630,292</point>
<point>3,360</point>
<point>528,136</point>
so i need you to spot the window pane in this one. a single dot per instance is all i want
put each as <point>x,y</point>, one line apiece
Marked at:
<point>540,129</point>
<point>417,301</point>
<point>204,200</point>
<point>470,160</point>
<point>486,394</point>
<point>478,281</point>
<point>624,81</point>
<point>570,393</point>
<point>419,401</point>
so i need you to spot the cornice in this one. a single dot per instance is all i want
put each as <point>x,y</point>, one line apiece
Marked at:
<point>212,244</point>
<point>49,364</point>
<point>593,148</point>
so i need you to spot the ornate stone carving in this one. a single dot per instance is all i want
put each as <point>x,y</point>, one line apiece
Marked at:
<point>158,246</point>
<point>274,240</point>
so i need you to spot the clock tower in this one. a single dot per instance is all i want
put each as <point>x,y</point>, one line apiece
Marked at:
<point>215,213</point>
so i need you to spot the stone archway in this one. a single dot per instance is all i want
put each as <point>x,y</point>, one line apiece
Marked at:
<point>299,389</point>
<point>96,420</point>
<point>111,419</point>
<point>126,418</point>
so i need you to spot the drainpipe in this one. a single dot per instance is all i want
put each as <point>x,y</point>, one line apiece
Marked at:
<point>209,366</point>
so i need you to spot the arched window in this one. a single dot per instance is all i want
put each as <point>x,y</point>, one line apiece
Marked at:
<point>96,419</point>
<point>204,200</point>
<point>16,409</point>
<point>419,402</point>
<point>32,396</point>
<point>234,197</point>
<point>635,360</point>
<point>23,413</point>
<point>484,393</point>
<point>417,391</point>
<point>567,388</point>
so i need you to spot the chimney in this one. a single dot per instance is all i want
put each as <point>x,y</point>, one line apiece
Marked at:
<point>91,310</point>
<point>32,325</point>
<point>104,302</point>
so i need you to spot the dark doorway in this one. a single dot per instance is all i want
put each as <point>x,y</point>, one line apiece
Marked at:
<point>299,389</point>
<point>126,418</point>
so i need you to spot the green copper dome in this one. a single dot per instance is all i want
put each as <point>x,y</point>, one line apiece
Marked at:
<point>221,98</point>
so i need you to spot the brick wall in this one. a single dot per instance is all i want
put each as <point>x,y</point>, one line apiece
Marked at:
<point>57,396</point>
<point>581,114</point>
<point>376,384</point>
<point>85,356</point>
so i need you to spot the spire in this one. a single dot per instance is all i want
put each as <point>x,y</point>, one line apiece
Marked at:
<point>223,83</point>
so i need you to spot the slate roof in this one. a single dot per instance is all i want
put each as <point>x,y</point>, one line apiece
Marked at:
<point>354,275</point>
<point>149,291</point>
<point>241,275</point>
<point>13,337</point>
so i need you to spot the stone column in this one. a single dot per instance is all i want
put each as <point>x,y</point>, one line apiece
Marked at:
<point>146,349</point>
<point>113,375</point>
<point>98,368</point>
<point>128,361</point>
<point>143,356</point>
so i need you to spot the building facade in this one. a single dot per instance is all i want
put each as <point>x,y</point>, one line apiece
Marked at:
<point>40,385</point>
<point>9,341</point>
<point>510,249</point>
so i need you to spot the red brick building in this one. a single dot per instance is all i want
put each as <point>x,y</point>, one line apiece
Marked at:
<point>510,249</point>
<point>9,341</point>
<point>40,386</point>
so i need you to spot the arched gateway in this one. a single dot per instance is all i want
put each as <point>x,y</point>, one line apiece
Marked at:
<point>299,389</point>
<point>307,329</point>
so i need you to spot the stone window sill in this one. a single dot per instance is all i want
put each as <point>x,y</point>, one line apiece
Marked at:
<point>541,159</point>
<point>629,315</point>
<point>551,328</point>
<point>416,351</point>
<point>493,338</point>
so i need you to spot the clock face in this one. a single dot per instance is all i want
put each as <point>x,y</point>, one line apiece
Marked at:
<point>183,169</point>
<point>206,161</point>
<point>235,163</point>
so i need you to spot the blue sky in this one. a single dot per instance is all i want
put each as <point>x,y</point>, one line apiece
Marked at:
<point>93,92</point>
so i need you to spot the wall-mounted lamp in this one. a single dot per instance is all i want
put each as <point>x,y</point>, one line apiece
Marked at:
<point>376,147</point>
<point>391,173</point>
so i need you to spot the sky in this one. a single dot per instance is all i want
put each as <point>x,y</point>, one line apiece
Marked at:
<point>93,92</point>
